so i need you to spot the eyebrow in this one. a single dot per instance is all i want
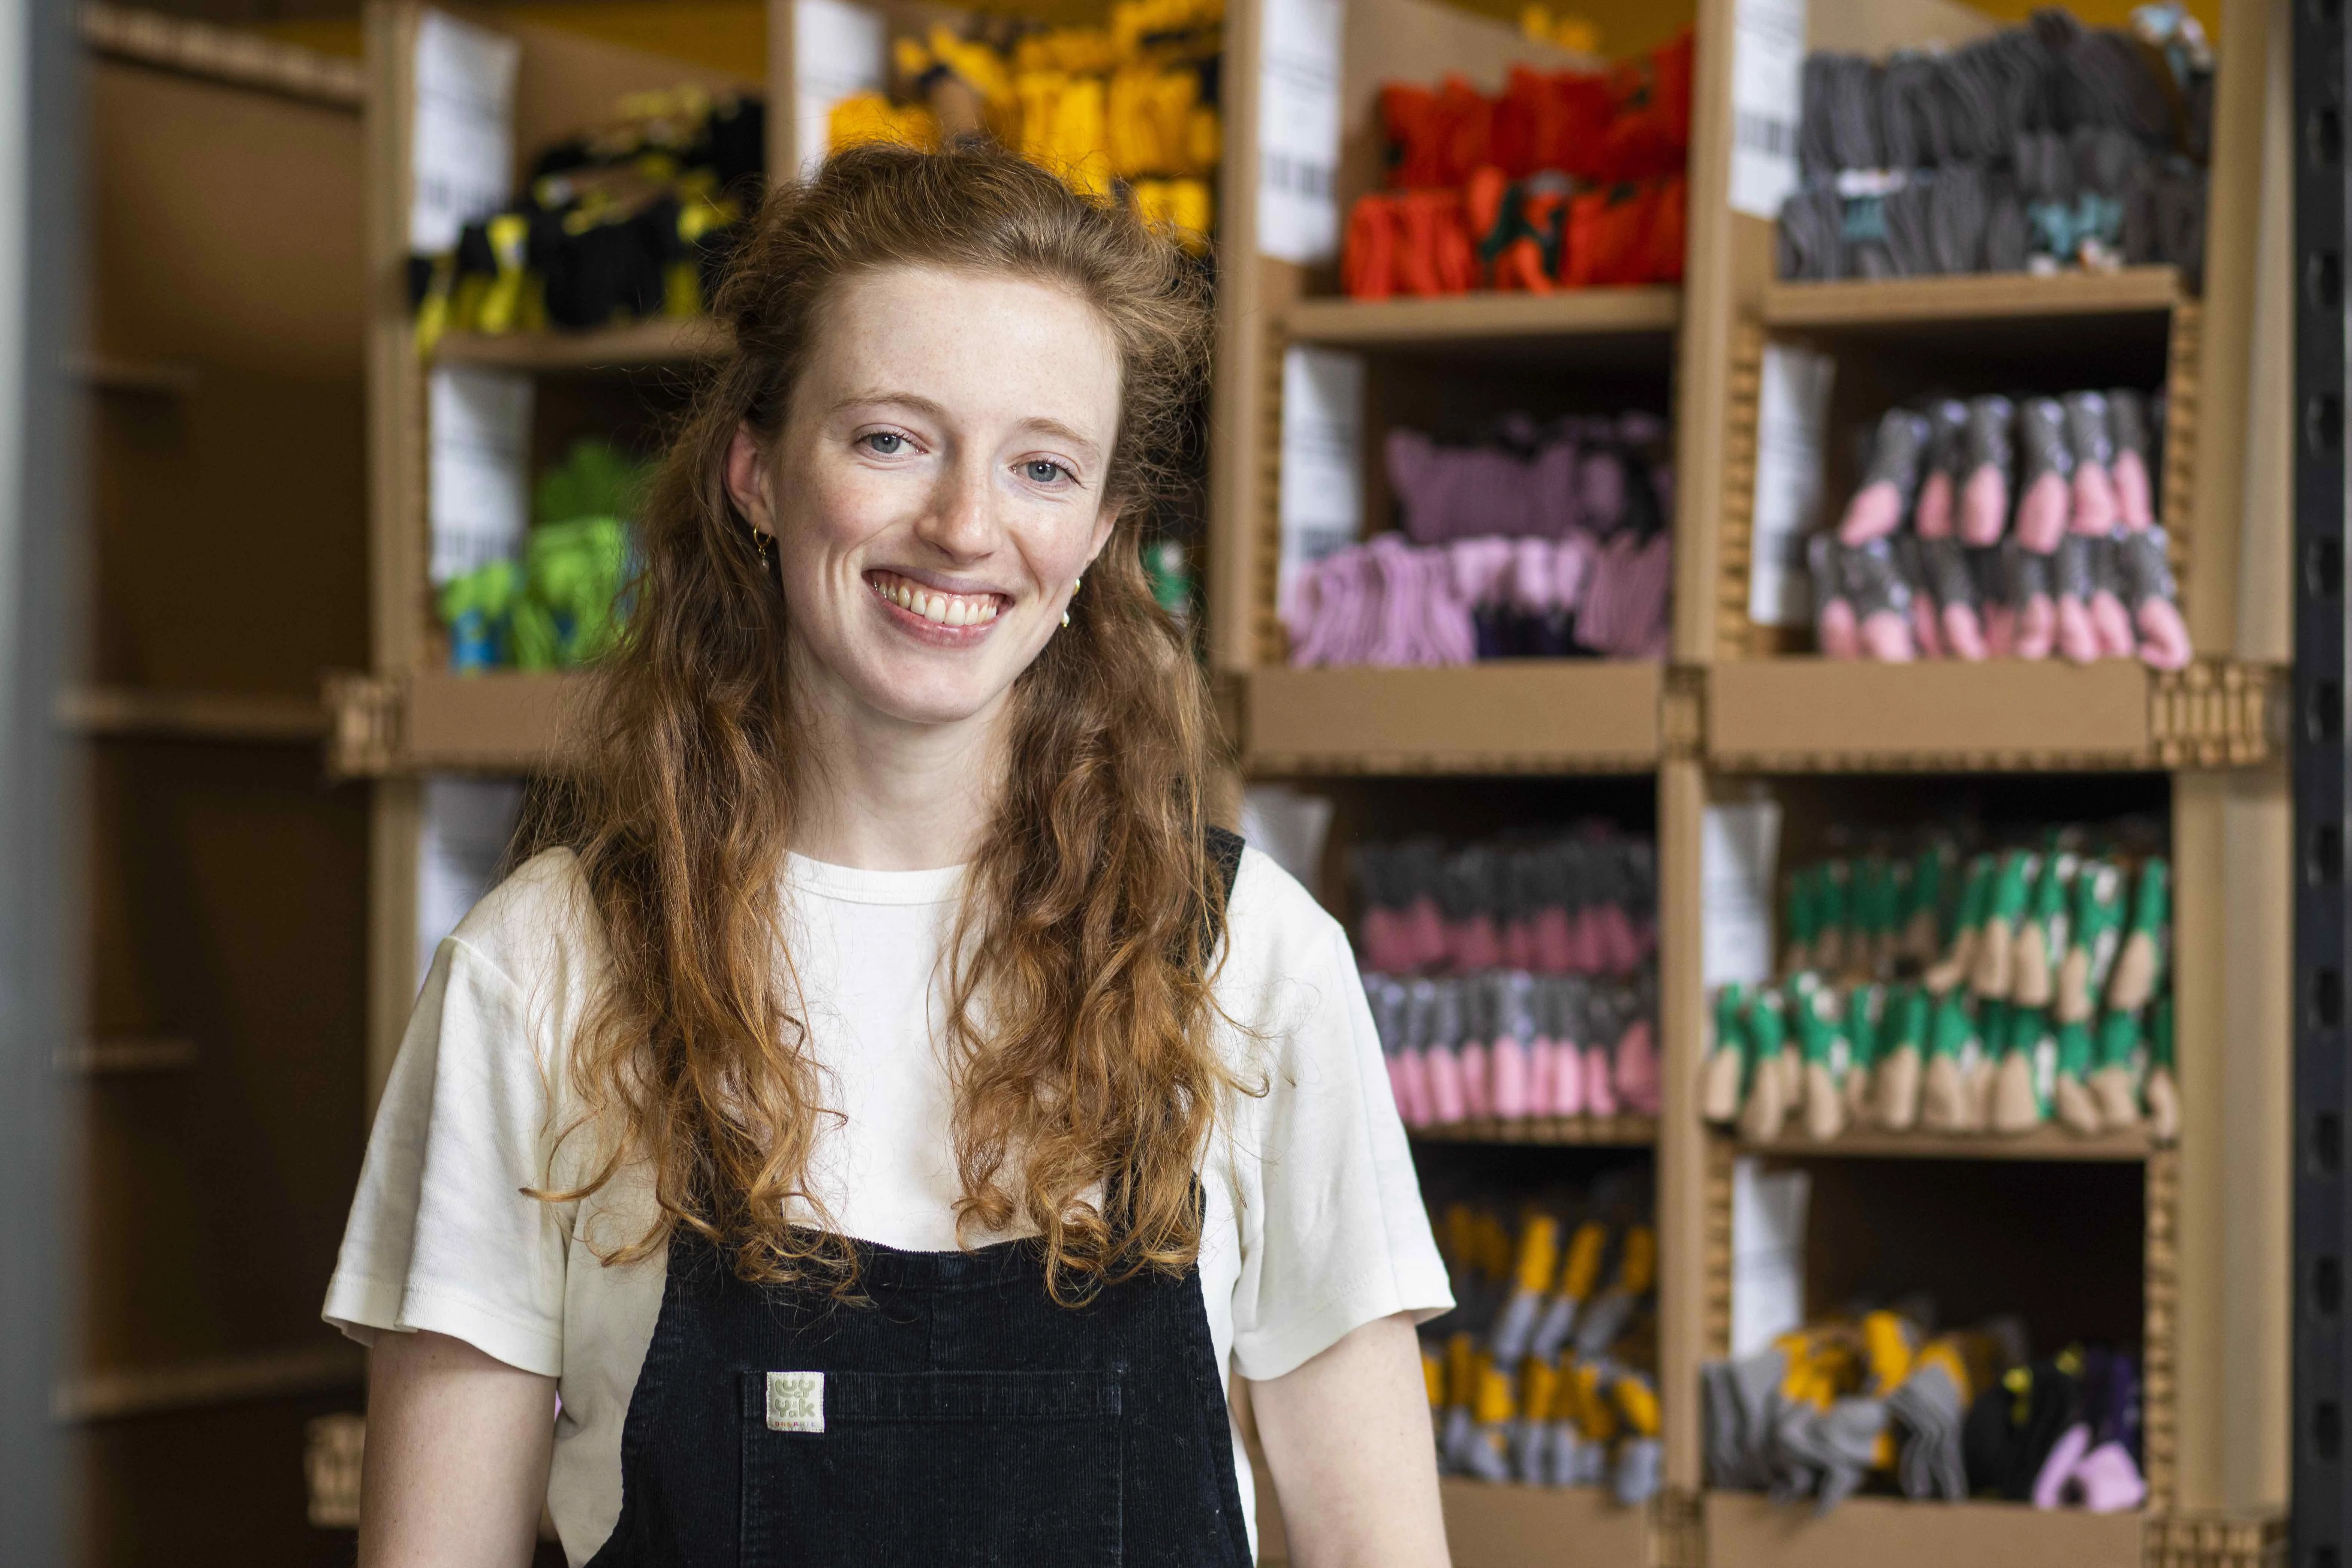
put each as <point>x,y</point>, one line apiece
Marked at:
<point>939,411</point>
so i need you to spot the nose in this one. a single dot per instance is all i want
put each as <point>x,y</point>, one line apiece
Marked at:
<point>960,522</point>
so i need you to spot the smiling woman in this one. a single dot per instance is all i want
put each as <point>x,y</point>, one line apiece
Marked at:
<point>880,1104</point>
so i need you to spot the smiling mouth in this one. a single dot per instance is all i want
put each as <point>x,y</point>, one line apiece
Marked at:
<point>939,608</point>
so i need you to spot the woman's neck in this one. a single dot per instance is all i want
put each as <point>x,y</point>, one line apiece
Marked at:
<point>884,794</point>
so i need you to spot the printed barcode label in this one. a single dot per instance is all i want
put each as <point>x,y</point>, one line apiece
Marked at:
<point>1297,176</point>
<point>1764,134</point>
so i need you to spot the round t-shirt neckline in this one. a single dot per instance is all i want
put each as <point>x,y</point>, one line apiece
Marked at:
<point>855,885</point>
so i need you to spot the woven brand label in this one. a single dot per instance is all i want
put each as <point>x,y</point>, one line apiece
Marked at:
<point>797,1402</point>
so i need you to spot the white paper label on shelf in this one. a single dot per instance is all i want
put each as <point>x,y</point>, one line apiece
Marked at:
<point>1299,130</point>
<point>1322,502</point>
<point>1768,1254</point>
<point>1792,429</point>
<point>1739,853</point>
<point>1768,74</point>
<point>467,822</point>
<point>839,50</point>
<point>461,150</point>
<point>1291,826</point>
<point>479,496</point>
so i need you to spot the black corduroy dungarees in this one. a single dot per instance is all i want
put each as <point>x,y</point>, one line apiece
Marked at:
<point>956,1416</point>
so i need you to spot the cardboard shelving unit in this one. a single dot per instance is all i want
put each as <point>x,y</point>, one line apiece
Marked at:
<point>1627,1132</point>
<point>1476,748</point>
<point>1867,1532</point>
<point>216,944</point>
<point>2043,1144</point>
<point>620,348</point>
<point>1895,302</point>
<point>1486,319</point>
<point>1500,715</point>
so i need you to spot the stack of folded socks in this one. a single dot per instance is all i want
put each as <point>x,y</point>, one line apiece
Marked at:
<point>630,222</point>
<point>1539,541</point>
<point>1546,1371</point>
<point>2042,147</point>
<point>1128,108</point>
<point>1513,980</point>
<point>1943,993</point>
<point>2005,528</point>
<point>1564,180</point>
<point>1881,1399</point>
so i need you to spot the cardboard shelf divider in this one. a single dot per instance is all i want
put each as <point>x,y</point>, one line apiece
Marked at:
<point>2044,1143</point>
<point>1501,716</point>
<point>1971,296</point>
<point>1747,1531</point>
<point>500,721</point>
<point>1502,1525</point>
<point>1470,319</point>
<point>645,343</point>
<point>1812,715</point>
<point>1600,1131</point>
<point>1809,714</point>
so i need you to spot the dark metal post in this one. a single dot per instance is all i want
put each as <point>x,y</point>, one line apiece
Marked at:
<point>2322,812</point>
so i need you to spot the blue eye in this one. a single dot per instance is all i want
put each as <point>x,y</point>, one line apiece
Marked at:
<point>1042,471</point>
<point>897,443</point>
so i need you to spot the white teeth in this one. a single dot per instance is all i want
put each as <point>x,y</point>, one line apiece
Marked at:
<point>940,609</point>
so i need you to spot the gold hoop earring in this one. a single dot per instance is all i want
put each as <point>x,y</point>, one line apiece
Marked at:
<point>763,546</point>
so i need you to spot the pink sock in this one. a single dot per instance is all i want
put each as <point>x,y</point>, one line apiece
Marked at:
<point>1600,1094</point>
<point>1637,1069</point>
<point>1508,1065</point>
<point>1477,1092</point>
<point>1445,1102</point>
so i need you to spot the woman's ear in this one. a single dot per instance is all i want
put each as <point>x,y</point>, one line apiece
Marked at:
<point>1104,524</point>
<point>747,480</point>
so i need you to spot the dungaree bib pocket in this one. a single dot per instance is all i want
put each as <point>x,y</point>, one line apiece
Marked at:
<point>942,1468</point>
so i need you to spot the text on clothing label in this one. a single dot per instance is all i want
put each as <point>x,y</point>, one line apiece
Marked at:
<point>797,1402</point>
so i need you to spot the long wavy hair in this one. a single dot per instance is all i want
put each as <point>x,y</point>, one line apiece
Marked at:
<point>1079,1022</point>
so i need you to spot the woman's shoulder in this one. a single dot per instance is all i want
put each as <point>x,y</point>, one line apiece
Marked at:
<point>1274,927</point>
<point>538,920</point>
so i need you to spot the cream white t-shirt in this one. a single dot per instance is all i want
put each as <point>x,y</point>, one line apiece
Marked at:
<point>1314,1221</point>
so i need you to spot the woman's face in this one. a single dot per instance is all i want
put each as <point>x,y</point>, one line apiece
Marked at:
<point>935,488</point>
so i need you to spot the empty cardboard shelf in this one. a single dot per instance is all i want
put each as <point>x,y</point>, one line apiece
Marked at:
<point>1503,715</point>
<point>1493,1525</point>
<point>1472,318</point>
<point>618,348</point>
<point>500,721</point>
<point>1750,1531</point>
<point>1971,296</point>
<point>2043,1144</point>
<point>1631,1132</point>
<point>1814,714</point>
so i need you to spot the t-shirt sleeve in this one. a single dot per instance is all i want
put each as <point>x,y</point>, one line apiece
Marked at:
<point>1333,1231</point>
<point>442,1236</point>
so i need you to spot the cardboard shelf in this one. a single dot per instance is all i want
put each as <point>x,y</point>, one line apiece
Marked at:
<point>502,722</point>
<point>619,348</point>
<point>1503,715</point>
<point>1469,320</point>
<point>1500,1525</point>
<point>1971,296</point>
<point>2051,1143</point>
<point>1628,1131</point>
<point>1751,1531</point>
<point>163,713</point>
<point>1801,715</point>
